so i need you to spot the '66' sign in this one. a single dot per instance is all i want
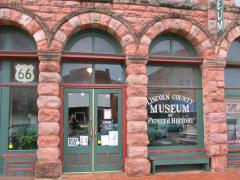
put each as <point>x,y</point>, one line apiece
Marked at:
<point>24,73</point>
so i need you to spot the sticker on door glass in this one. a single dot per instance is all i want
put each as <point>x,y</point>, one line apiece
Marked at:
<point>83,140</point>
<point>73,142</point>
<point>24,73</point>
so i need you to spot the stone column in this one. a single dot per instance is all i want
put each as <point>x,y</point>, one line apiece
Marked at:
<point>215,113</point>
<point>48,164</point>
<point>136,163</point>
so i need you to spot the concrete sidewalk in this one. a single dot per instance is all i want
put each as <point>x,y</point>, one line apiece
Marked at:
<point>226,175</point>
<point>233,174</point>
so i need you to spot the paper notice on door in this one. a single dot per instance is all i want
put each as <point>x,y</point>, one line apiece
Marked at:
<point>83,140</point>
<point>104,140</point>
<point>113,138</point>
<point>73,142</point>
<point>107,114</point>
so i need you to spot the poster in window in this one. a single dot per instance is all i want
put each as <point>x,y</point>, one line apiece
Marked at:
<point>104,140</point>
<point>107,125</point>
<point>113,138</point>
<point>107,114</point>
<point>83,140</point>
<point>73,142</point>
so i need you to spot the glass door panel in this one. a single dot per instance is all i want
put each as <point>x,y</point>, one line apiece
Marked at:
<point>77,131</point>
<point>108,126</point>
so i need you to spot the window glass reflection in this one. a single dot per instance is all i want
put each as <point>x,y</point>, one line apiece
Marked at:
<point>172,117</point>
<point>233,52</point>
<point>84,45</point>
<point>107,120</point>
<point>103,46</point>
<point>178,49</point>
<point>233,120</point>
<point>231,75</point>
<point>2,42</point>
<point>78,119</point>
<point>0,72</point>
<point>77,73</point>
<point>19,43</point>
<point>161,48</point>
<point>108,74</point>
<point>158,75</point>
<point>23,119</point>
<point>183,76</point>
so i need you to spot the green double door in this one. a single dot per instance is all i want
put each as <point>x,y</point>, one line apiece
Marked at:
<point>92,130</point>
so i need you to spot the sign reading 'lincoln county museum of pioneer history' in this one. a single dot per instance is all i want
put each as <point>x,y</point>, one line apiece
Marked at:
<point>170,109</point>
<point>220,18</point>
<point>172,120</point>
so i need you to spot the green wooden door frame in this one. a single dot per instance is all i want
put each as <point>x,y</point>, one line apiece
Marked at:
<point>108,150</point>
<point>92,149</point>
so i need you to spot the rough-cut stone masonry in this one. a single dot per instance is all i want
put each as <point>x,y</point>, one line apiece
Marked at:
<point>134,24</point>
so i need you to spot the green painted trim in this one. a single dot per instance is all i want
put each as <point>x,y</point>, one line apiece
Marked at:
<point>170,36</point>
<point>9,31</point>
<point>1,135</point>
<point>94,33</point>
<point>5,116</point>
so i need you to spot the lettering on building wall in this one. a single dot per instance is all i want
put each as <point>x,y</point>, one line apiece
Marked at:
<point>220,18</point>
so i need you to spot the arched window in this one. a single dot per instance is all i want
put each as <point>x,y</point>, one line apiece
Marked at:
<point>171,45</point>
<point>232,95</point>
<point>93,41</point>
<point>174,94</point>
<point>15,39</point>
<point>18,93</point>
<point>98,43</point>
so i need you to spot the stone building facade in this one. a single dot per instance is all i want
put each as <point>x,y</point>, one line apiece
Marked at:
<point>134,24</point>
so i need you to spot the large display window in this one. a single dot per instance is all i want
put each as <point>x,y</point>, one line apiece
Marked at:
<point>174,96</point>
<point>232,94</point>
<point>18,81</point>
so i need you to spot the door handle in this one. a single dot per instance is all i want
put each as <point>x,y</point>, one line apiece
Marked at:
<point>91,134</point>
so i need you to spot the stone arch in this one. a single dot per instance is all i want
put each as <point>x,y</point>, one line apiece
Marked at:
<point>94,19</point>
<point>27,22</point>
<point>185,27</point>
<point>226,40</point>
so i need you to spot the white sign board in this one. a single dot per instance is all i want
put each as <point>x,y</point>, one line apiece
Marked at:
<point>73,142</point>
<point>24,73</point>
<point>113,138</point>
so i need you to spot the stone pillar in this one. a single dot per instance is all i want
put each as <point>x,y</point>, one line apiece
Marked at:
<point>48,164</point>
<point>136,163</point>
<point>215,113</point>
